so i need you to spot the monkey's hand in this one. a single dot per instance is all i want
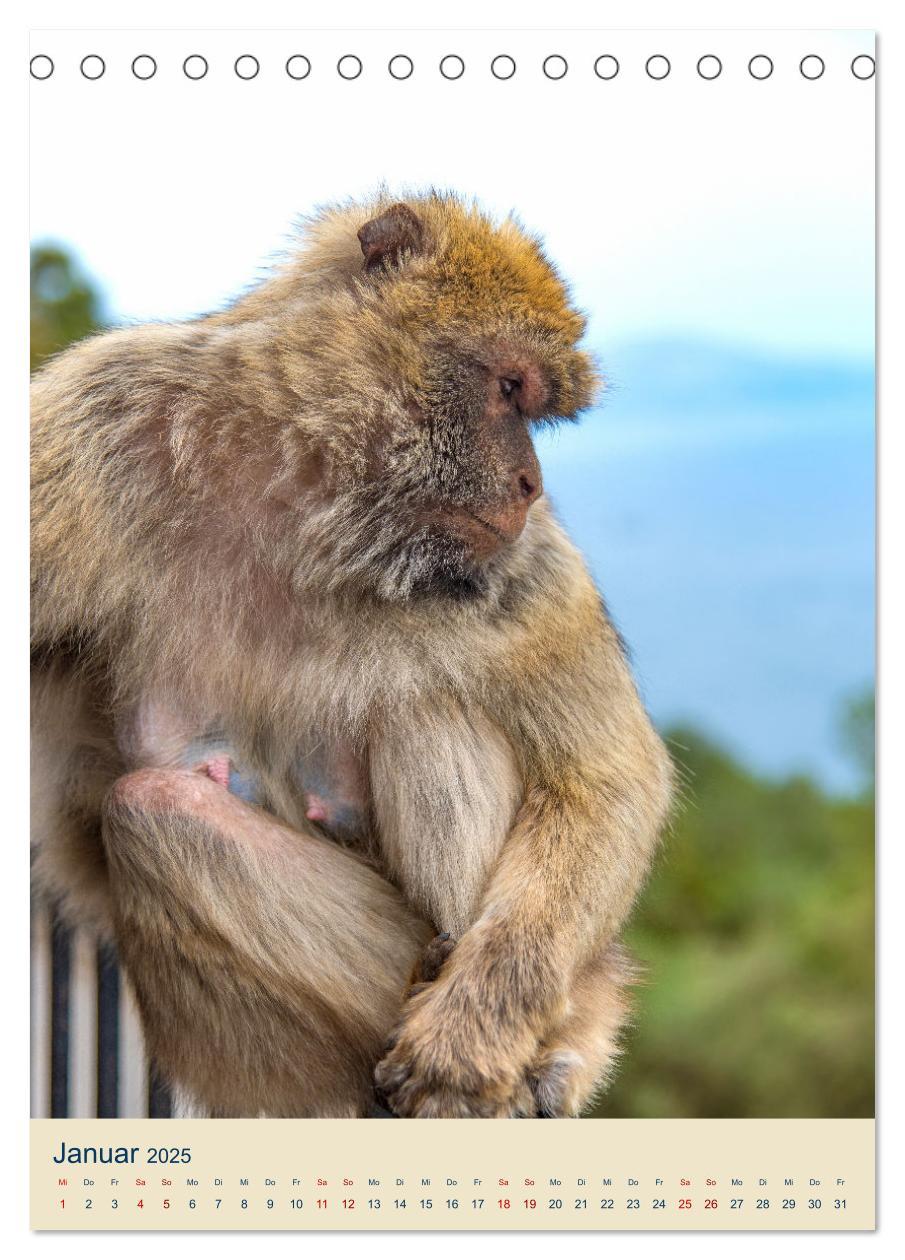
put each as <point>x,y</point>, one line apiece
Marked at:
<point>445,1061</point>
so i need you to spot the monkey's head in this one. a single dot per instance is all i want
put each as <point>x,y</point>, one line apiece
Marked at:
<point>445,340</point>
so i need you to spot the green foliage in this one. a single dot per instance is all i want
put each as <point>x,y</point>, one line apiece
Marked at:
<point>757,939</point>
<point>858,736</point>
<point>65,305</point>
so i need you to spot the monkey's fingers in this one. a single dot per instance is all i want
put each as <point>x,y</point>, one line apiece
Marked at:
<point>425,1074</point>
<point>432,960</point>
<point>404,1091</point>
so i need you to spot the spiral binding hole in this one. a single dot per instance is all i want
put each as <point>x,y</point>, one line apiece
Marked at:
<point>41,66</point>
<point>452,66</point>
<point>92,67</point>
<point>144,67</point>
<point>195,66</point>
<point>247,66</point>
<point>298,66</point>
<point>760,66</point>
<point>401,67</point>
<point>864,67</point>
<point>349,66</point>
<point>606,66</point>
<point>503,66</point>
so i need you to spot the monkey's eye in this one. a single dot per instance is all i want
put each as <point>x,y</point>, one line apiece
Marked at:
<point>509,385</point>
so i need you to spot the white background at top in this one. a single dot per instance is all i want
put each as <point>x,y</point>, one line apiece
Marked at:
<point>735,209</point>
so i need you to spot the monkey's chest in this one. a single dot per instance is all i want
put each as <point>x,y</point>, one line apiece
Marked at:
<point>322,781</point>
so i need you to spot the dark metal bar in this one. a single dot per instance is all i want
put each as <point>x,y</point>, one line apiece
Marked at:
<point>107,1033</point>
<point>160,1102</point>
<point>60,983</point>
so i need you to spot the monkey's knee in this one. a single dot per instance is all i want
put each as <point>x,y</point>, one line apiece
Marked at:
<point>269,964</point>
<point>141,804</point>
<point>154,791</point>
<point>175,835</point>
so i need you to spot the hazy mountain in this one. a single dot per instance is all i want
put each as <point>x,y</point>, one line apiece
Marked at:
<point>725,501</point>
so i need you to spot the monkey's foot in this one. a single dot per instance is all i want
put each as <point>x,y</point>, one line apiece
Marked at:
<point>560,1082</point>
<point>576,1060</point>
<point>222,769</point>
<point>218,769</point>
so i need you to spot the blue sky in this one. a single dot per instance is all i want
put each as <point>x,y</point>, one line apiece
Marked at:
<point>724,498</point>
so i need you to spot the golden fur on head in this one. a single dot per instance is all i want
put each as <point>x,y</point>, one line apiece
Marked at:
<point>386,364</point>
<point>328,408</point>
<point>462,278</point>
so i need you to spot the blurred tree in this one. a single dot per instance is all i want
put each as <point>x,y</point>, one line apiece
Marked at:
<point>65,305</point>
<point>756,936</point>
<point>858,723</point>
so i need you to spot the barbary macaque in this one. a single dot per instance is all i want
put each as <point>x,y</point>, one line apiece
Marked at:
<point>332,732</point>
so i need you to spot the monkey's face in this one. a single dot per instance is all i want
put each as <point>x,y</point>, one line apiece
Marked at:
<point>480,473</point>
<point>471,343</point>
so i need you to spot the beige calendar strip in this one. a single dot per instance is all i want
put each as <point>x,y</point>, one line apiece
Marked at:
<point>452,1174</point>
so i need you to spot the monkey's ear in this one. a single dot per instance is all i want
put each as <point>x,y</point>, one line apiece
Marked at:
<point>386,238</point>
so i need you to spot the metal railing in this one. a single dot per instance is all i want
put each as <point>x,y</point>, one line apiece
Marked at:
<point>88,1055</point>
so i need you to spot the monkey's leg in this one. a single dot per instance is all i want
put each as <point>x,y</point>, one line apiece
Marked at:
<point>577,1060</point>
<point>269,964</point>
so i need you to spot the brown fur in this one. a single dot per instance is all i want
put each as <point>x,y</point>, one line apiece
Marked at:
<point>309,528</point>
<point>260,930</point>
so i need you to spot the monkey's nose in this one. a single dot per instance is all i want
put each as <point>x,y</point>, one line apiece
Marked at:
<point>529,486</point>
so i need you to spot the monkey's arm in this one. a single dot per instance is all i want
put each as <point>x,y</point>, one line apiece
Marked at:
<point>596,790</point>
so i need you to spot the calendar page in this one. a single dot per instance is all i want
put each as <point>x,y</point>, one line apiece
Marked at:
<point>452,629</point>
